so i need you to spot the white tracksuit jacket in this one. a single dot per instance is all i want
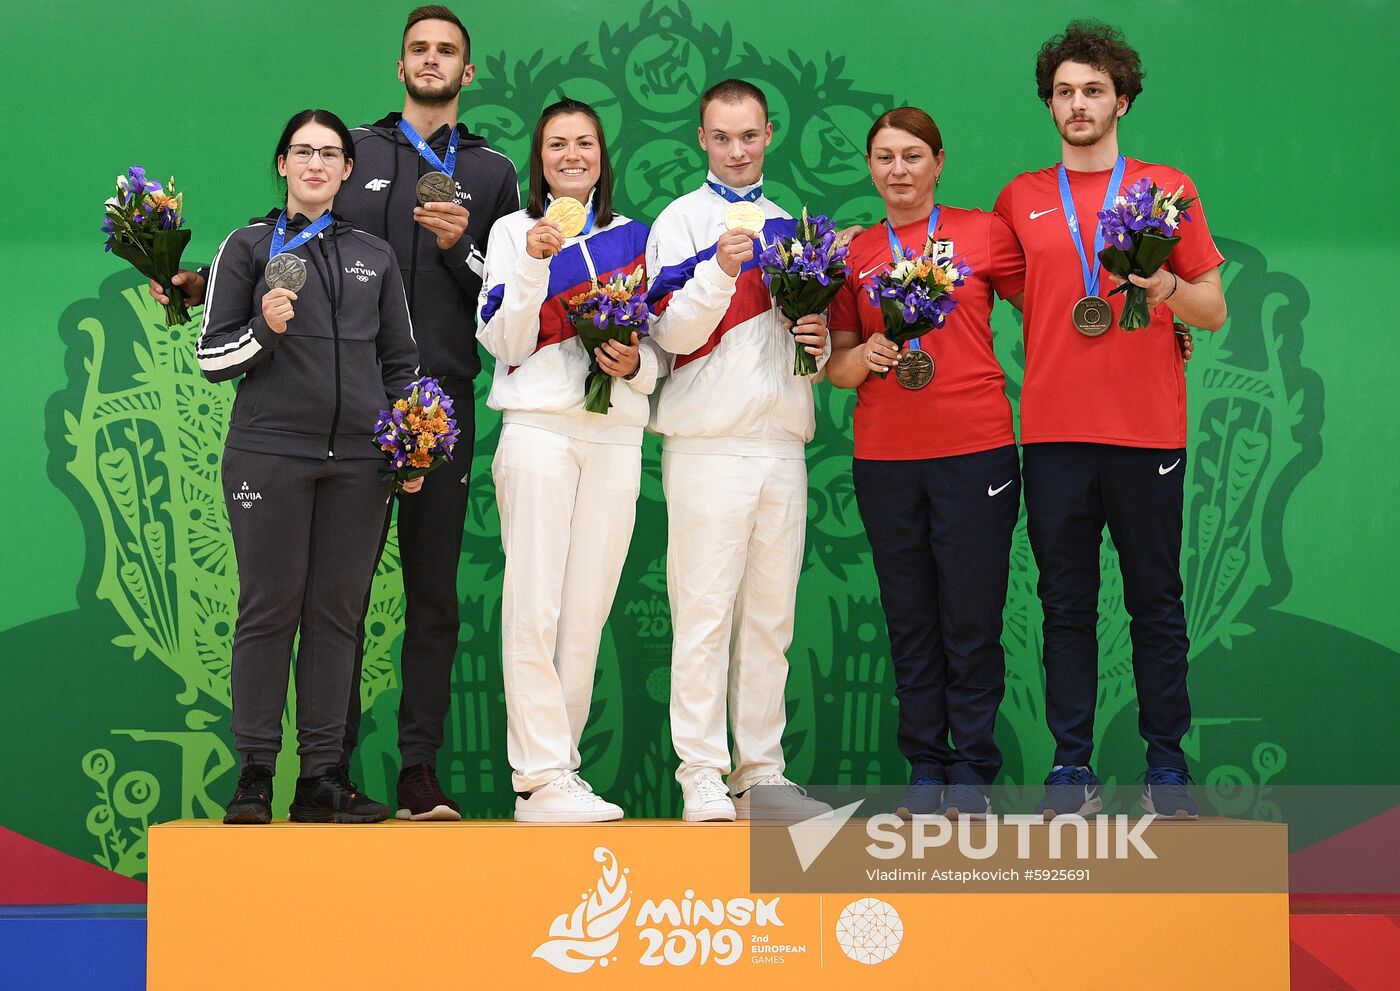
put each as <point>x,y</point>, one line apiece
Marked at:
<point>540,362</point>
<point>731,388</point>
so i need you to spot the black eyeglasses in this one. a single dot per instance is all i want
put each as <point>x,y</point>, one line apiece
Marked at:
<point>330,155</point>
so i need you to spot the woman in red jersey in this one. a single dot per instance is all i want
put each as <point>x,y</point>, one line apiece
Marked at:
<point>936,472</point>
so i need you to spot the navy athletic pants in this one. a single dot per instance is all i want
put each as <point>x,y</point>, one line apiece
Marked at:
<point>1072,491</point>
<point>940,537</point>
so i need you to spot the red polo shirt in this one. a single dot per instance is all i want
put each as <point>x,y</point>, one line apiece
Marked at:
<point>1124,387</point>
<point>964,409</point>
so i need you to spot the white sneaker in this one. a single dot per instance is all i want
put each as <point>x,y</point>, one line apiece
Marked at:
<point>568,798</point>
<point>775,797</point>
<point>706,798</point>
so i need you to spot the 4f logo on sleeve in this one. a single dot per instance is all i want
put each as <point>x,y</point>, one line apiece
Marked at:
<point>378,185</point>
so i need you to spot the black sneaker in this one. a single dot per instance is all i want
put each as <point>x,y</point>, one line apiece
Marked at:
<point>252,802</point>
<point>333,797</point>
<point>421,798</point>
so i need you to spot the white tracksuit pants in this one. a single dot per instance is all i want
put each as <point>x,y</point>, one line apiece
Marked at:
<point>737,528</point>
<point>567,509</point>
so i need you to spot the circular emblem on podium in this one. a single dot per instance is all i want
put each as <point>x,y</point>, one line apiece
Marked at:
<point>869,931</point>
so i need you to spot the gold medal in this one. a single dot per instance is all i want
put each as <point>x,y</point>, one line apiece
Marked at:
<point>569,214</point>
<point>744,216</point>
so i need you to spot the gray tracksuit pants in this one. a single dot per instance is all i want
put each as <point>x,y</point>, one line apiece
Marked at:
<point>306,533</point>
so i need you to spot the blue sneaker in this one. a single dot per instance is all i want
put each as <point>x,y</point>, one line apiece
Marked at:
<point>966,800</point>
<point>923,797</point>
<point>1070,790</point>
<point>1165,794</point>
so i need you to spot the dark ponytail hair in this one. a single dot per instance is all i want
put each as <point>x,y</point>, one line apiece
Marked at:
<point>539,189</point>
<point>322,117</point>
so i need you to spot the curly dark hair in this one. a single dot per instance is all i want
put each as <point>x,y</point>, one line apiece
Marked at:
<point>1091,43</point>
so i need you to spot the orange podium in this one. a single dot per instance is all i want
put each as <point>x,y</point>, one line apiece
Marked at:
<point>494,904</point>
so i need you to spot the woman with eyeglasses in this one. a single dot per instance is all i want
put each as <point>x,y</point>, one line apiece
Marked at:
<point>311,314</point>
<point>567,479</point>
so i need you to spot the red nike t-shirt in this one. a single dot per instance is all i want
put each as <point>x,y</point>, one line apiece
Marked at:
<point>964,409</point>
<point>1123,387</point>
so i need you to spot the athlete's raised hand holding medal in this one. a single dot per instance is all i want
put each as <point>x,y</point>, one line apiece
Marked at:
<point>285,273</point>
<point>438,211</point>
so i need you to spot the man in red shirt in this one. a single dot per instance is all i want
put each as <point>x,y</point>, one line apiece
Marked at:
<point>1103,420</point>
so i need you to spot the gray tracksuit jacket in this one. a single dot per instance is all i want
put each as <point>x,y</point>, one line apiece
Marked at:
<point>442,286</point>
<point>316,390</point>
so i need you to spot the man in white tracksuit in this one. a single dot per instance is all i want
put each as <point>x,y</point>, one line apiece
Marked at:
<point>735,421</point>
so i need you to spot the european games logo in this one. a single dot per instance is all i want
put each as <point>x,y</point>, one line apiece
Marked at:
<point>674,932</point>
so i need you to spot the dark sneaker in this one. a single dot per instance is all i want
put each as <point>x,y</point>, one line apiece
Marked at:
<point>333,797</point>
<point>252,802</point>
<point>1070,790</point>
<point>923,797</point>
<point>421,797</point>
<point>966,800</point>
<point>1165,794</point>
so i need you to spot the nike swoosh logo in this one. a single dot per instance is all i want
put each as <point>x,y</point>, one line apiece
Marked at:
<point>869,272</point>
<point>993,491</point>
<point>1163,469</point>
<point>1037,214</point>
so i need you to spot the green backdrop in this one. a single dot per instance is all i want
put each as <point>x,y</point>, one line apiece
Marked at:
<point>119,587</point>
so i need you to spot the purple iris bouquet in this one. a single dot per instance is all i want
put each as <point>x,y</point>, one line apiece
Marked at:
<point>417,433</point>
<point>145,225</point>
<point>1139,232</point>
<point>608,311</point>
<point>803,273</point>
<point>916,294</point>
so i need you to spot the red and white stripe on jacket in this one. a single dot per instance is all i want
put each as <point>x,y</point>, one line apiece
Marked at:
<point>731,389</point>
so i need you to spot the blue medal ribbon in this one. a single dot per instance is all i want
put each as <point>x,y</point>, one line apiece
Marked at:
<point>897,252</point>
<point>428,155</point>
<point>279,233</point>
<point>752,196</point>
<point>1091,275</point>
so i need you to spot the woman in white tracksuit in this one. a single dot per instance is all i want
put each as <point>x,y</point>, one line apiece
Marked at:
<point>567,480</point>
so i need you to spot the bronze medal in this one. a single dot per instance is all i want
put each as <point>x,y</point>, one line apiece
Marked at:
<point>1092,316</point>
<point>915,369</point>
<point>436,187</point>
<point>285,271</point>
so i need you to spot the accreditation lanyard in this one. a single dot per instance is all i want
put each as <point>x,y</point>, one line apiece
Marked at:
<point>428,155</point>
<point>279,234</point>
<point>897,250</point>
<point>1091,275</point>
